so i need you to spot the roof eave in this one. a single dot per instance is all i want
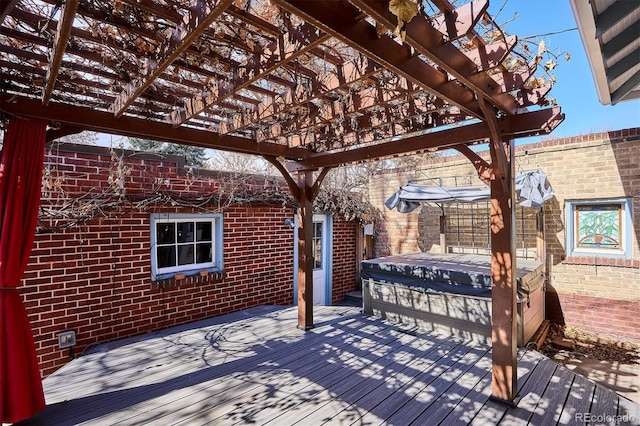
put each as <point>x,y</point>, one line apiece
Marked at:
<point>587,28</point>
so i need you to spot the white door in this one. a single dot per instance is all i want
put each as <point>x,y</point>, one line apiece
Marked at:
<point>321,262</point>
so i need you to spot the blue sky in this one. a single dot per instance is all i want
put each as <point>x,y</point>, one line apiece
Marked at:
<point>575,89</point>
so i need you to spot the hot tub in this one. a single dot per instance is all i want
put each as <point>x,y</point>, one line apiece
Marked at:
<point>450,293</point>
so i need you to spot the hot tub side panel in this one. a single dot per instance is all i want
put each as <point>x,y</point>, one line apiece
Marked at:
<point>421,302</point>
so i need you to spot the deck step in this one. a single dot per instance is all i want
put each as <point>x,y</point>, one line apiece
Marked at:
<point>353,299</point>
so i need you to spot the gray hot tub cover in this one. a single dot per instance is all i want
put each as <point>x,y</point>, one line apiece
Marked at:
<point>532,189</point>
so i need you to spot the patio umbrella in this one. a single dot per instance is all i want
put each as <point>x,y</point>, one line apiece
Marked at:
<point>21,393</point>
<point>532,189</point>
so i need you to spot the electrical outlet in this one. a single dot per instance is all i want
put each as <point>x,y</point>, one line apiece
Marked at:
<point>66,339</point>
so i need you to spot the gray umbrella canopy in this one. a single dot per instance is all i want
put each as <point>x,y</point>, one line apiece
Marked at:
<point>532,189</point>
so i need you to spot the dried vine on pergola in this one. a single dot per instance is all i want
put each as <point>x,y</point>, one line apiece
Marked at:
<point>251,69</point>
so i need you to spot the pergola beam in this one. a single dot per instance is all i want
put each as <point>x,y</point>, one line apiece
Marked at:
<point>349,73</point>
<point>457,23</point>
<point>301,40</point>
<point>354,116</point>
<point>489,56</point>
<point>6,7</point>
<point>59,45</point>
<point>192,26</point>
<point>428,41</point>
<point>337,19</point>
<point>155,9</point>
<point>529,124</point>
<point>100,121</point>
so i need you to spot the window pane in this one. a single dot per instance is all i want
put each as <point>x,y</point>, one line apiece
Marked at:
<point>185,254</point>
<point>317,253</point>
<point>203,253</point>
<point>165,233</point>
<point>598,226</point>
<point>166,256</point>
<point>203,231</point>
<point>317,229</point>
<point>185,232</point>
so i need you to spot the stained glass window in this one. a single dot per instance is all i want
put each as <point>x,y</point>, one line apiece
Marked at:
<point>598,226</point>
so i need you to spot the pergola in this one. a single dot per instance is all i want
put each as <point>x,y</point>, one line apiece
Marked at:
<point>308,85</point>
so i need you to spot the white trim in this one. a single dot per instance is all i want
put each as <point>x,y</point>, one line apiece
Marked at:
<point>190,268</point>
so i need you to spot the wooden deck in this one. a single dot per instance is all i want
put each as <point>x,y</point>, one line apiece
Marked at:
<point>256,367</point>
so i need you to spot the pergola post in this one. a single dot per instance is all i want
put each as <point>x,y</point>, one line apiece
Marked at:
<point>305,189</point>
<point>503,273</point>
<point>500,175</point>
<point>305,250</point>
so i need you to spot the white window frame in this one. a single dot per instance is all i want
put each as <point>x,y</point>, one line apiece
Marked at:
<point>572,249</point>
<point>192,268</point>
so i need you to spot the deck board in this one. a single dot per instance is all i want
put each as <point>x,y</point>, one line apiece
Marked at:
<point>465,378</point>
<point>255,367</point>
<point>578,401</point>
<point>410,382</point>
<point>607,402</point>
<point>531,394</point>
<point>339,383</point>
<point>371,379</point>
<point>324,378</point>
<point>628,409</point>
<point>550,405</point>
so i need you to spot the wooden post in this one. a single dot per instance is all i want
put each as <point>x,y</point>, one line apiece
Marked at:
<point>503,293</point>
<point>305,190</point>
<point>305,250</point>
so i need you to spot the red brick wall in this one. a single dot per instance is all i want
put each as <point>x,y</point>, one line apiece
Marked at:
<point>597,314</point>
<point>343,259</point>
<point>95,278</point>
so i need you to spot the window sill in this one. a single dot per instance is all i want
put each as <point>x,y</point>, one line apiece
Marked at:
<point>182,280</point>
<point>602,261</point>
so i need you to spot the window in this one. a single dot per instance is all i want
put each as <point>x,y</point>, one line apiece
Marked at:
<point>317,245</point>
<point>599,228</point>
<point>184,243</point>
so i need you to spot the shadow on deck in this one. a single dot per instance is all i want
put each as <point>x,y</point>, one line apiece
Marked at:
<point>255,367</point>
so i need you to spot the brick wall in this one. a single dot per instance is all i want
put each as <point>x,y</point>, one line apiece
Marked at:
<point>94,277</point>
<point>594,166</point>
<point>343,259</point>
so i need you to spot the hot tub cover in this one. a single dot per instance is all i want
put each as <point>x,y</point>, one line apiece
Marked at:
<point>532,190</point>
<point>466,274</point>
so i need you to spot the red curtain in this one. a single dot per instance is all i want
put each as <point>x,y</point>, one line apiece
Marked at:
<point>21,393</point>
